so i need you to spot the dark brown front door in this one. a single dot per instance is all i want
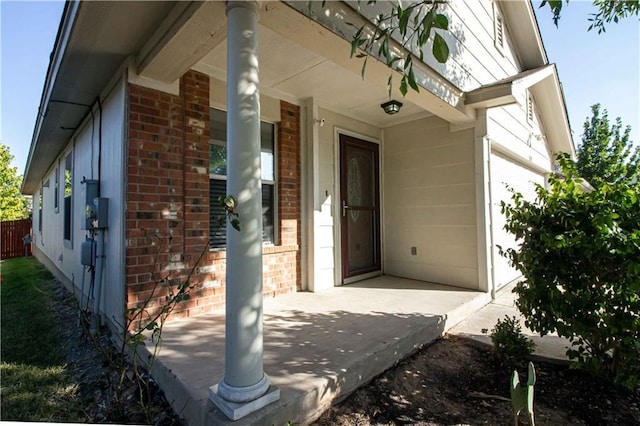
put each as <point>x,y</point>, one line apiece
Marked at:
<point>360,206</point>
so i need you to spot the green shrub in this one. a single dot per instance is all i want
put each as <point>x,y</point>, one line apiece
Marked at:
<point>508,341</point>
<point>579,251</point>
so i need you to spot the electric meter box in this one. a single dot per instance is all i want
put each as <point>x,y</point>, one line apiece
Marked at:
<point>87,252</point>
<point>101,206</point>
<point>91,192</point>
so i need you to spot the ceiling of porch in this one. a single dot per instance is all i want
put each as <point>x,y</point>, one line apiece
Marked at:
<point>291,71</point>
<point>299,58</point>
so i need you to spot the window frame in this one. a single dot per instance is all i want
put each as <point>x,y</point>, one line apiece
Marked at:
<point>56,189</point>
<point>273,240</point>
<point>67,220</point>
<point>40,208</point>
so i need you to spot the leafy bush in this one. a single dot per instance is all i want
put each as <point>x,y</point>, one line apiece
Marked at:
<point>508,340</point>
<point>579,252</point>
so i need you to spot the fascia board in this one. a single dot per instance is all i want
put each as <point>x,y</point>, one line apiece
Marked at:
<point>311,29</point>
<point>70,14</point>
<point>491,96</point>
<point>552,109</point>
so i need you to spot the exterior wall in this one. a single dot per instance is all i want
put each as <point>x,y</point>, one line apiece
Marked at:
<point>474,58</point>
<point>61,257</point>
<point>512,134</point>
<point>112,187</point>
<point>327,220</point>
<point>520,158</point>
<point>429,203</point>
<point>522,179</point>
<point>168,199</point>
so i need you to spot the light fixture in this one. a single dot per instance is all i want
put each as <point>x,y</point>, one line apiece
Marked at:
<point>391,107</point>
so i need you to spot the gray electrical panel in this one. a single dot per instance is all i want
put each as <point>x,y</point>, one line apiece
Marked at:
<point>91,192</point>
<point>101,206</point>
<point>87,252</point>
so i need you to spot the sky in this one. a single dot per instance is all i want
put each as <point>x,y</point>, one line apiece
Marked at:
<point>593,68</point>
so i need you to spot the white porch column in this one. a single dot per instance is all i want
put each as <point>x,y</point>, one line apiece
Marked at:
<point>245,387</point>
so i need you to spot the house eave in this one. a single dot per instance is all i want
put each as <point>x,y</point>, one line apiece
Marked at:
<point>94,41</point>
<point>519,14</point>
<point>33,166</point>
<point>438,95</point>
<point>550,101</point>
<point>545,85</point>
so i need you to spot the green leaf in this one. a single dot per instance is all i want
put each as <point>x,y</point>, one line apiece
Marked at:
<point>441,21</point>
<point>403,17</point>
<point>412,81</point>
<point>440,49</point>
<point>408,63</point>
<point>403,86</point>
<point>382,33</point>
<point>385,47</point>
<point>364,67</point>
<point>393,60</point>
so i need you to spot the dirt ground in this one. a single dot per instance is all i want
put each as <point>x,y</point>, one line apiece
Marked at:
<point>440,385</point>
<point>94,374</point>
<point>436,386</point>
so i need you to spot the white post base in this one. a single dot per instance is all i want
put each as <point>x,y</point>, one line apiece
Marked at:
<point>238,410</point>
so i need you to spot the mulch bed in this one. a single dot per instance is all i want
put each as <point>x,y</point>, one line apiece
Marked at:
<point>441,384</point>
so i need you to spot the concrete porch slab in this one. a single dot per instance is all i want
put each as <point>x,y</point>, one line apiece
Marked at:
<point>318,347</point>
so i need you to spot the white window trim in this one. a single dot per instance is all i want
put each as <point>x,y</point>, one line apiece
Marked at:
<point>276,224</point>
<point>68,243</point>
<point>56,189</point>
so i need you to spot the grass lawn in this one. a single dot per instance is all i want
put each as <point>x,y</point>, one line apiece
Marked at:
<point>36,385</point>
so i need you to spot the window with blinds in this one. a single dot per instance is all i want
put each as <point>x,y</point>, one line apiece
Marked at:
<point>218,179</point>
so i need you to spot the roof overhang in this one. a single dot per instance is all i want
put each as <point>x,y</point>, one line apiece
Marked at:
<point>544,84</point>
<point>94,40</point>
<point>521,23</point>
<point>165,39</point>
<point>553,112</point>
<point>504,92</point>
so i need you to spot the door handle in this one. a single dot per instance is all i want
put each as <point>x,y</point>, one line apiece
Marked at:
<point>344,208</point>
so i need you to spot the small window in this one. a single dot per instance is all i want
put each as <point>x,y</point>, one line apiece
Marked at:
<point>56,190</point>
<point>218,178</point>
<point>40,196</point>
<point>498,23</point>
<point>68,192</point>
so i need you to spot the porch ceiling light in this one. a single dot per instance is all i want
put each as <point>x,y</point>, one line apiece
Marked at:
<point>391,107</point>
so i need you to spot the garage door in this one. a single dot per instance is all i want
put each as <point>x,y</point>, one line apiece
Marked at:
<point>522,179</point>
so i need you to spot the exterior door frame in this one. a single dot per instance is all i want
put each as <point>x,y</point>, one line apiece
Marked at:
<point>337,208</point>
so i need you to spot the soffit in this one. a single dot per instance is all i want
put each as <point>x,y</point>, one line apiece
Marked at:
<point>101,36</point>
<point>294,72</point>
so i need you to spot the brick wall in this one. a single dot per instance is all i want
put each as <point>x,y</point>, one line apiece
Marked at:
<point>167,216</point>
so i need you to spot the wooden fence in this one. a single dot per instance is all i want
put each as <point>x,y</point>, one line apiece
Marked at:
<point>12,233</point>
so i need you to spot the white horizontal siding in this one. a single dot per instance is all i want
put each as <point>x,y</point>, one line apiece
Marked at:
<point>84,146</point>
<point>429,203</point>
<point>326,220</point>
<point>511,133</point>
<point>474,59</point>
